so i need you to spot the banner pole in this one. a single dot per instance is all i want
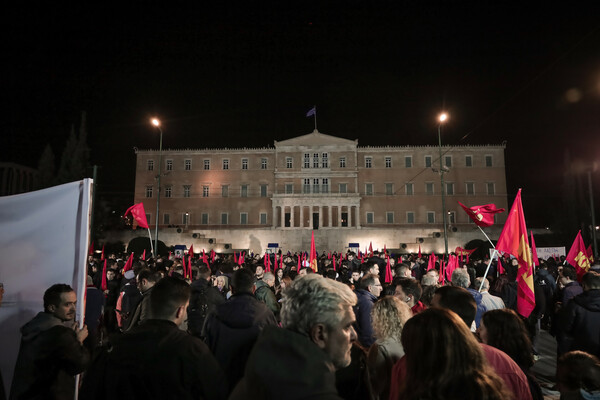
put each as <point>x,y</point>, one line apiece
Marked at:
<point>151,246</point>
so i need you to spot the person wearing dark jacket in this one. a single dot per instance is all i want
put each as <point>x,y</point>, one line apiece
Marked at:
<point>156,359</point>
<point>370,289</point>
<point>266,294</point>
<point>51,353</point>
<point>204,300</point>
<point>145,281</point>
<point>232,329</point>
<point>299,360</point>
<point>581,318</point>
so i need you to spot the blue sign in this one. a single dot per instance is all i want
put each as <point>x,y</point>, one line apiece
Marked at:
<point>273,245</point>
<point>353,245</point>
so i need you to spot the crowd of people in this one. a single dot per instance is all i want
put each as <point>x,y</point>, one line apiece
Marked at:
<point>374,326</point>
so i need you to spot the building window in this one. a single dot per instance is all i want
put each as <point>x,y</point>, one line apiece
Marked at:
<point>325,185</point>
<point>243,218</point>
<point>316,160</point>
<point>451,217</point>
<point>169,165</point>
<point>408,161</point>
<point>370,217</point>
<point>488,161</point>
<point>468,161</point>
<point>389,189</point>
<point>431,217</point>
<point>429,188</point>
<point>491,189</point>
<point>410,189</point>
<point>428,161</point>
<point>448,161</point>
<point>368,162</point>
<point>204,219</point>
<point>315,185</point>
<point>185,218</point>
<point>244,191</point>
<point>205,191</point>
<point>289,162</point>
<point>369,189</point>
<point>187,165</point>
<point>306,160</point>
<point>306,187</point>
<point>186,190</point>
<point>342,162</point>
<point>206,164</point>
<point>324,160</point>
<point>148,192</point>
<point>225,164</point>
<point>168,191</point>
<point>450,188</point>
<point>225,191</point>
<point>263,163</point>
<point>388,162</point>
<point>263,218</point>
<point>470,188</point>
<point>263,190</point>
<point>150,165</point>
<point>389,217</point>
<point>289,188</point>
<point>224,218</point>
<point>343,188</point>
<point>244,163</point>
<point>410,217</point>
<point>166,219</point>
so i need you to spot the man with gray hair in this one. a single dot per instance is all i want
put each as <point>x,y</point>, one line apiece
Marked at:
<point>316,339</point>
<point>461,278</point>
<point>490,302</point>
<point>264,292</point>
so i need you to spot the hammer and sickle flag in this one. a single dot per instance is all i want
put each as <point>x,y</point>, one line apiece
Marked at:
<point>482,215</point>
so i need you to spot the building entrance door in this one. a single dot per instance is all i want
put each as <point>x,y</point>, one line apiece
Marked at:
<point>315,220</point>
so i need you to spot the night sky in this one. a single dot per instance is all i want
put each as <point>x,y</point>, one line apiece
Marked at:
<point>241,74</point>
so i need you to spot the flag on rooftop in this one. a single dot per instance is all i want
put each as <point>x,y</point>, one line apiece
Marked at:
<point>513,240</point>
<point>311,112</point>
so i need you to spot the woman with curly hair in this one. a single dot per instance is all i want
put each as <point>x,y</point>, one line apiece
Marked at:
<point>506,331</point>
<point>444,361</point>
<point>388,317</point>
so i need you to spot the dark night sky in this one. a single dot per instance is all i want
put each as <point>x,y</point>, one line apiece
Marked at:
<point>245,73</point>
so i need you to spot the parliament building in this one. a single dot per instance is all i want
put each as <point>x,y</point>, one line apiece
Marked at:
<point>253,198</point>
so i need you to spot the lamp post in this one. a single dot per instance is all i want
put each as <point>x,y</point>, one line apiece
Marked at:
<point>156,123</point>
<point>442,118</point>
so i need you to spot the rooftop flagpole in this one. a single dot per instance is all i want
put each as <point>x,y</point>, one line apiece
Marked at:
<point>313,112</point>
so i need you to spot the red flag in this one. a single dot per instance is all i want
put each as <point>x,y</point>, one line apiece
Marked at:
<point>334,263</point>
<point>370,249</point>
<point>102,255</point>
<point>534,255</point>
<point>441,279</point>
<point>578,258</point>
<point>431,262</point>
<point>191,251</point>
<point>501,270</point>
<point>190,268</point>
<point>513,240</point>
<point>144,255</point>
<point>590,254</point>
<point>275,263</point>
<point>128,264</point>
<point>419,255</point>
<point>267,262</point>
<point>313,254</point>
<point>452,265</point>
<point>91,249</point>
<point>104,285</point>
<point>299,263</point>
<point>388,271</point>
<point>204,258</point>
<point>184,266</point>
<point>460,251</point>
<point>138,213</point>
<point>281,262</point>
<point>482,215</point>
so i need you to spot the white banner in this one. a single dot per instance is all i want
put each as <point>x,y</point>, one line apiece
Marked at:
<point>44,239</point>
<point>547,252</point>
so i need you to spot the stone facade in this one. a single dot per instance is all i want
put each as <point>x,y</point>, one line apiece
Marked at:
<point>323,183</point>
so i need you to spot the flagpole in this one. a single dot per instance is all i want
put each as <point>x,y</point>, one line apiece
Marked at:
<point>151,246</point>
<point>315,118</point>
<point>487,237</point>
<point>494,253</point>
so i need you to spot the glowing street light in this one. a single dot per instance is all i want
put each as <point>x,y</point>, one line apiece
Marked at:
<point>156,123</point>
<point>442,118</point>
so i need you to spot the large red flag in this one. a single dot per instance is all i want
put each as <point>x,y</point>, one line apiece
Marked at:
<point>590,254</point>
<point>102,255</point>
<point>419,255</point>
<point>313,254</point>
<point>500,267</point>
<point>370,249</point>
<point>388,271</point>
<point>204,257</point>
<point>451,266</point>
<point>144,255</point>
<point>184,266</point>
<point>482,215</point>
<point>138,213</point>
<point>578,258</point>
<point>534,255</point>
<point>191,251</point>
<point>431,262</point>
<point>190,267</point>
<point>104,285</point>
<point>91,249</point>
<point>513,240</point>
<point>128,264</point>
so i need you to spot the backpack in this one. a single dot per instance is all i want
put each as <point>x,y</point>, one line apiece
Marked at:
<point>197,310</point>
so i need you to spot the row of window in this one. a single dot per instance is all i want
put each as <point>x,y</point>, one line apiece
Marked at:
<point>317,160</point>
<point>410,217</point>
<point>320,186</point>
<point>186,218</point>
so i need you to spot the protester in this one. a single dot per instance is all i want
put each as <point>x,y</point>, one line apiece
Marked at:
<point>156,359</point>
<point>489,301</point>
<point>370,289</point>
<point>51,351</point>
<point>316,339</point>
<point>204,300</point>
<point>578,376</point>
<point>145,280</point>
<point>265,293</point>
<point>94,307</point>
<point>409,291</point>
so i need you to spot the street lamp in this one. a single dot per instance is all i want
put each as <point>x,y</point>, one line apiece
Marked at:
<point>442,118</point>
<point>156,123</point>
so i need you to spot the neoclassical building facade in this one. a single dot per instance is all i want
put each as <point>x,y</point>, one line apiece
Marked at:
<point>317,182</point>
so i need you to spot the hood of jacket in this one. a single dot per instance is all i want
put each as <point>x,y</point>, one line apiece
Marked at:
<point>40,323</point>
<point>590,300</point>
<point>242,310</point>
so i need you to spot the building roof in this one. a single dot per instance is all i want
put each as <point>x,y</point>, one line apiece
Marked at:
<point>316,138</point>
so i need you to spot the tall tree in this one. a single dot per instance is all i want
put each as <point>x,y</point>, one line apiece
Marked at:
<point>75,157</point>
<point>46,168</point>
<point>66,159</point>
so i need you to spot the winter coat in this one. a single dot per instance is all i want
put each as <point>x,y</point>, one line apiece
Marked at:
<point>581,321</point>
<point>204,300</point>
<point>362,311</point>
<point>264,293</point>
<point>49,358</point>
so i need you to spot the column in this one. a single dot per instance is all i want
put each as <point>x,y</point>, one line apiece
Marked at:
<point>329,208</point>
<point>320,217</point>
<point>274,218</point>
<point>301,216</point>
<point>292,208</point>
<point>310,216</point>
<point>339,216</point>
<point>283,216</point>
<point>357,213</point>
